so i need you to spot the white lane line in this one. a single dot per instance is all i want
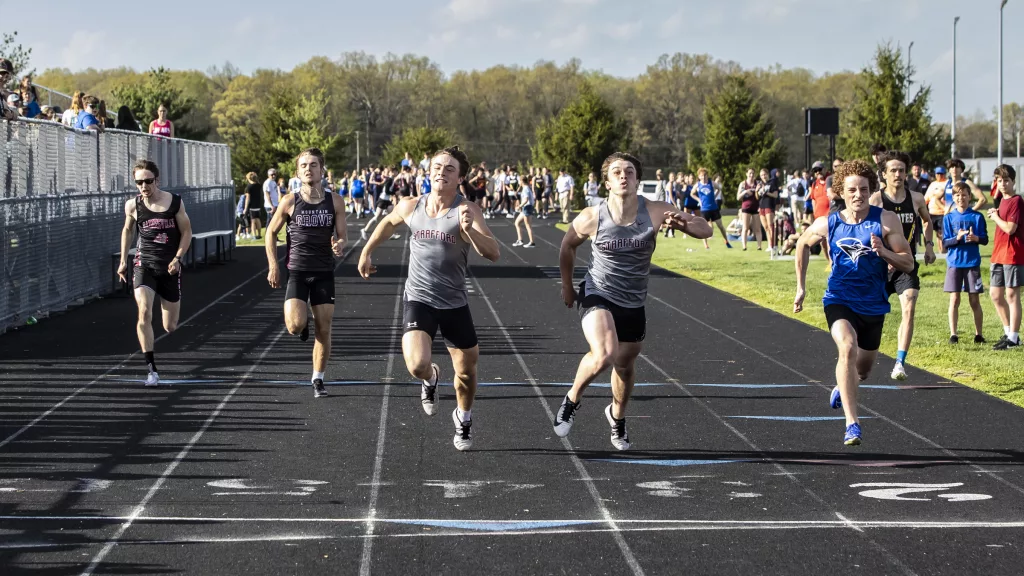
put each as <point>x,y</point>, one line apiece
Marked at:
<point>181,324</point>
<point>627,553</point>
<point>137,511</point>
<point>375,484</point>
<point>864,407</point>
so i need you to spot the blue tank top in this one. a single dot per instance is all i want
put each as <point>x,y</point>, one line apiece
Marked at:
<point>949,191</point>
<point>858,274</point>
<point>357,187</point>
<point>706,193</point>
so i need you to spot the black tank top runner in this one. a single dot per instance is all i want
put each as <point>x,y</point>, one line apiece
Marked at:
<point>908,217</point>
<point>159,235</point>
<point>310,233</point>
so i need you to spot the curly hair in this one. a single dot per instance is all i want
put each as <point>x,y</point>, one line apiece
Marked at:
<point>855,168</point>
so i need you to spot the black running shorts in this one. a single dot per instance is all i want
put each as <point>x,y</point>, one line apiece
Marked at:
<point>383,204</point>
<point>899,282</point>
<point>711,215</point>
<point>630,323</point>
<point>456,324</point>
<point>867,328</point>
<point>166,286</point>
<point>315,287</point>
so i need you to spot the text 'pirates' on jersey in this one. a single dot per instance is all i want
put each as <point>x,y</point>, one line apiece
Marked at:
<point>621,261</point>
<point>438,257</point>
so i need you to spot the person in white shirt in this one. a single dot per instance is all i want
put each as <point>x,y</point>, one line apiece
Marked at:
<point>659,189</point>
<point>425,163</point>
<point>592,188</point>
<point>564,185</point>
<point>797,192</point>
<point>527,201</point>
<point>295,184</point>
<point>271,193</point>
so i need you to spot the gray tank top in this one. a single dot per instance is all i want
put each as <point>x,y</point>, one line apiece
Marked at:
<point>621,259</point>
<point>438,257</point>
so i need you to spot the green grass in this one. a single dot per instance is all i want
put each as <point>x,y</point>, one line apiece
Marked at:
<point>262,240</point>
<point>752,276</point>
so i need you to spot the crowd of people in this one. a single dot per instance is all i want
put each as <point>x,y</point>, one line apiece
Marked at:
<point>87,111</point>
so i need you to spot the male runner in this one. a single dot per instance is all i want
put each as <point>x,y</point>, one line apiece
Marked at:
<point>443,226</point>
<point>704,192</point>
<point>316,234</point>
<point>384,203</point>
<point>612,295</point>
<point>863,241</point>
<point>912,211</point>
<point>956,174</point>
<point>165,233</point>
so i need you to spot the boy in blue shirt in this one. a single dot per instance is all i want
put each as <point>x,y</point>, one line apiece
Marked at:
<point>963,230</point>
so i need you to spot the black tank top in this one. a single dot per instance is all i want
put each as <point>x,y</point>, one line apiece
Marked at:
<point>159,235</point>
<point>908,217</point>
<point>310,233</point>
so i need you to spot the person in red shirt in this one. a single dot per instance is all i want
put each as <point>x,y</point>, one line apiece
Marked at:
<point>1007,257</point>
<point>819,193</point>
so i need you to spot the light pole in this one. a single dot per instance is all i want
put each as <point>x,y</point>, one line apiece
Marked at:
<point>999,144</point>
<point>952,125</point>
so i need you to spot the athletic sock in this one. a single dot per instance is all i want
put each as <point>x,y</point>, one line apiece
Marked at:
<point>465,416</point>
<point>318,375</point>
<point>901,356</point>
<point>1015,336</point>
<point>150,361</point>
<point>1006,330</point>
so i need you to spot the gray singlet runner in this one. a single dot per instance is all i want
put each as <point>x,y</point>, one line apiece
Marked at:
<point>621,260</point>
<point>438,257</point>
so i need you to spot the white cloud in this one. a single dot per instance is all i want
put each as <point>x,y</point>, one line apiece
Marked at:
<point>625,31</point>
<point>672,25</point>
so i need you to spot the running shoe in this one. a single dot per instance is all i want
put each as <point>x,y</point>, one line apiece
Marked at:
<point>463,432</point>
<point>304,335</point>
<point>153,379</point>
<point>979,339</point>
<point>517,243</point>
<point>835,400</point>
<point>954,339</point>
<point>898,373</point>
<point>564,417</point>
<point>529,245</point>
<point>1000,341</point>
<point>852,437</point>
<point>619,438</point>
<point>362,234</point>
<point>727,245</point>
<point>1006,344</point>
<point>319,391</point>
<point>428,392</point>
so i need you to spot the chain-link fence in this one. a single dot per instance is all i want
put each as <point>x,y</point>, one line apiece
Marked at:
<point>62,207</point>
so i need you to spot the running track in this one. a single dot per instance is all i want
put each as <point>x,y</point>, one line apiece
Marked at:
<point>737,466</point>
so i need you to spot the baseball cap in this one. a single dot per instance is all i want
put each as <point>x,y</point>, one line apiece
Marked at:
<point>940,170</point>
<point>817,165</point>
<point>13,98</point>
<point>6,65</point>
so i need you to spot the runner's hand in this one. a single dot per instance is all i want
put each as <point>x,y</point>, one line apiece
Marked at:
<point>366,266</point>
<point>338,246</point>
<point>465,218</point>
<point>174,267</point>
<point>798,301</point>
<point>673,221</point>
<point>274,276</point>
<point>876,243</point>
<point>122,272</point>
<point>568,295</point>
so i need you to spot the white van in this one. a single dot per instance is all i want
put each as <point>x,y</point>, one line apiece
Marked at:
<point>647,189</point>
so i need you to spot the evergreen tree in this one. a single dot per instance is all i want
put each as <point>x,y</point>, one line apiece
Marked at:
<point>737,135</point>
<point>882,114</point>
<point>143,98</point>
<point>19,56</point>
<point>303,124</point>
<point>417,142</point>
<point>580,138</point>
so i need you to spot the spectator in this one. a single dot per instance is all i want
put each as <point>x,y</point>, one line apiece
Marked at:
<point>271,193</point>
<point>162,126</point>
<point>963,231</point>
<point>917,182</point>
<point>126,120</point>
<point>877,152</point>
<point>425,163</point>
<point>295,183</point>
<point>103,117</point>
<point>254,205</point>
<point>15,104</point>
<point>1007,262</point>
<point>407,161</point>
<point>87,118</point>
<point>30,101</point>
<point>71,114</point>
<point>935,198</point>
<point>6,71</point>
<point>593,189</point>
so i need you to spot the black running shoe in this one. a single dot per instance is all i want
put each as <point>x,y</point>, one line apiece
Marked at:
<point>979,339</point>
<point>319,391</point>
<point>1005,344</point>
<point>304,335</point>
<point>954,339</point>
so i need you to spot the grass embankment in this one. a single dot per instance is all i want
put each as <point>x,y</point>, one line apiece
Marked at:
<point>772,284</point>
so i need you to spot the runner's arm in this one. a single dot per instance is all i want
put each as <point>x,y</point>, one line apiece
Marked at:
<point>897,253</point>
<point>982,200</point>
<point>926,222</point>
<point>340,224</point>
<point>695,226</point>
<point>274,228</point>
<point>583,226</point>
<point>185,225</point>
<point>479,235</point>
<point>128,231</point>
<point>813,235</point>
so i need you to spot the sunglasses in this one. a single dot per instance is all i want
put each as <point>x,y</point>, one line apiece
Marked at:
<point>146,181</point>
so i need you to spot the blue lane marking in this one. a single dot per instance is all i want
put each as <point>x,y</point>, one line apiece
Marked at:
<point>751,385</point>
<point>796,418</point>
<point>664,462</point>
<point>493,526</point>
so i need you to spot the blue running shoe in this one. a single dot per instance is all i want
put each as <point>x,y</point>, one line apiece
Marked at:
<point>835,400</point>
<point>852,437</point>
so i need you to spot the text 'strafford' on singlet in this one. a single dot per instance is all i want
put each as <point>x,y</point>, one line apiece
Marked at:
<point>438,257</point>
<point>310,235</point>
<point>159,235</point>
<point>858,273</point>
<point>621,260</point>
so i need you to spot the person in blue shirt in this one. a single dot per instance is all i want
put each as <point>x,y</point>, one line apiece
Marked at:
<point>87,117</point>
<point>963,230</point>
<point>705,195</point>
<point>358,189</point>
<point>863,241</point>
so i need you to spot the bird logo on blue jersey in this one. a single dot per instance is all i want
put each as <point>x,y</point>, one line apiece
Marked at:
<point>853,248</point>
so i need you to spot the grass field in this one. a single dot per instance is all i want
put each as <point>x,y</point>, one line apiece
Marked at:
<point>772,284</point>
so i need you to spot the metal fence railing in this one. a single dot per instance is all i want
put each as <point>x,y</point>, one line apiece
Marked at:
<point>62,207</point>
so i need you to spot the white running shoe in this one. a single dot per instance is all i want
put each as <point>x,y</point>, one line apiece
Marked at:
<point>517,243</point>
<point>564,417</point>
<point>153,379</point>
<point>463,432</point>
<point>529,245</point>
<point>619,438</point>
<point>428,392</point>
<point>898,373</point>
<point>362,234</point>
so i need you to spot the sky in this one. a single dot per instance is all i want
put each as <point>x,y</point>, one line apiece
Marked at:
<point>619,37</point>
